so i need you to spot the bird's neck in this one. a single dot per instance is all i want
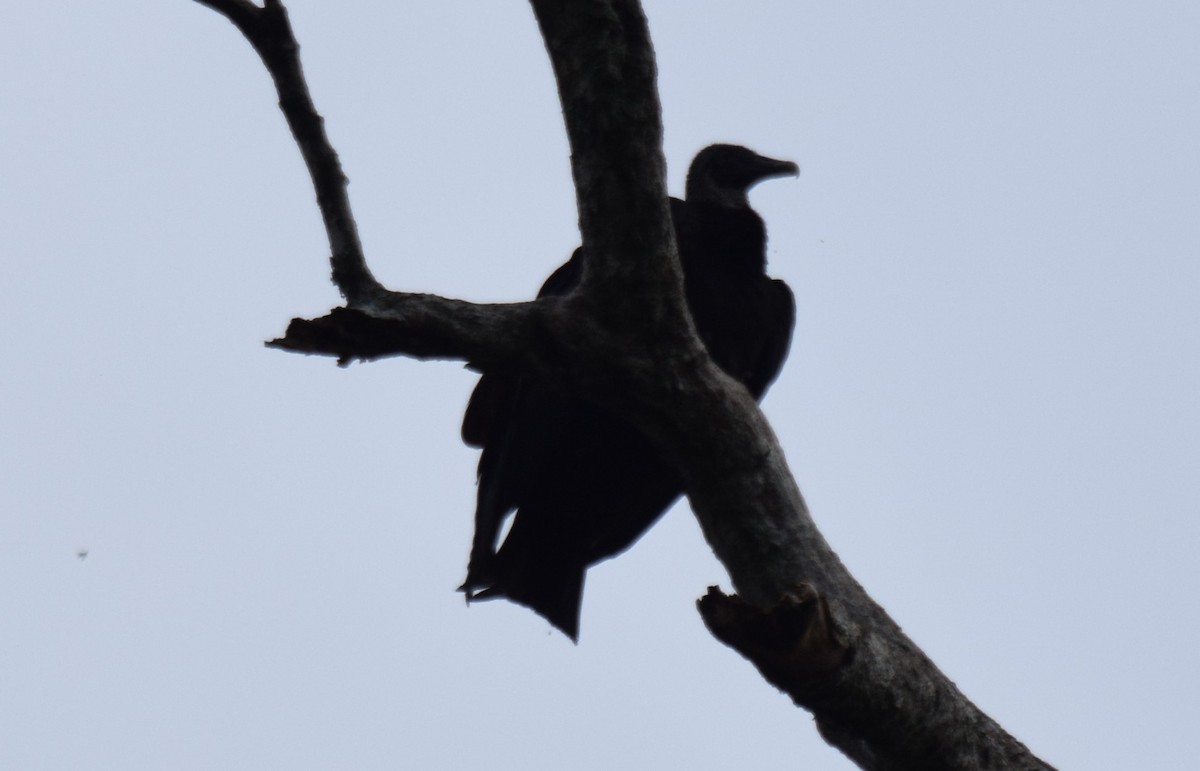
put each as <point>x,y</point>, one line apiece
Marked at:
<point>734,237</point>
<point>705,191</point>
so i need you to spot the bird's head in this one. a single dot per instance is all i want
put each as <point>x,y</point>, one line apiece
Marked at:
<point>722,174</point>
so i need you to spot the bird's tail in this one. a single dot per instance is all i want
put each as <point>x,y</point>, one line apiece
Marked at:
<point>548,584</point>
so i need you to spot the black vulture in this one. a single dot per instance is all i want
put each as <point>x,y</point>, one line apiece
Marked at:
<point>583,483</point>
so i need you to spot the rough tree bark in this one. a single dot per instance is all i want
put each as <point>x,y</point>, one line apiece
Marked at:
<point>625,339</point>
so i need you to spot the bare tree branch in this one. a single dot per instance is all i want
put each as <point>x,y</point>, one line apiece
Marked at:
<point>625,338</point>
<point>242,13</point>
<point>599,49</point>
<point>426,326</point>
<point>270,33</point>
<point>887,705</point>
<point>376,322</point>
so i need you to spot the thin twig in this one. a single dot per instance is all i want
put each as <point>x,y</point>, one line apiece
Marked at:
<point>270,33</point>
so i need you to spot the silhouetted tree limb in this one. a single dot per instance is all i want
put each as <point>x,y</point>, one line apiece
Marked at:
<point>427,327</point>
<point>624,338</point>
<point>269,32</point>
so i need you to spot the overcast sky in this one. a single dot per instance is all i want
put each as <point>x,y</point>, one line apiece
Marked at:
<point>990,404</point>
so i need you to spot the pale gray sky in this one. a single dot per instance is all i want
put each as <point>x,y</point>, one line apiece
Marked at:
<point>990,402</point>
